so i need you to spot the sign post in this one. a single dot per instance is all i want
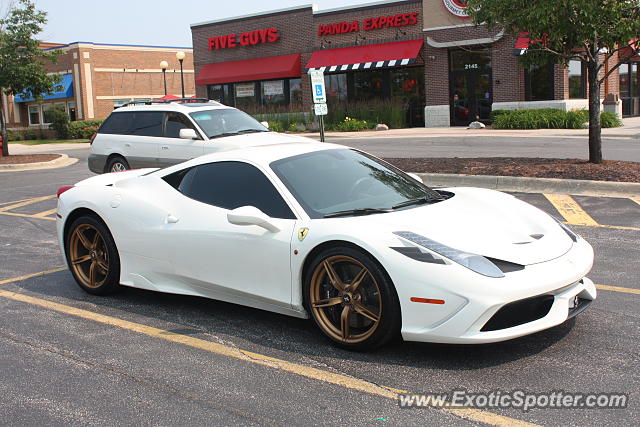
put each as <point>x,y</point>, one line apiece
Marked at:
<point>319,95</point>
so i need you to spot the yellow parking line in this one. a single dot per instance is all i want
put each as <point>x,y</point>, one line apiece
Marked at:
<point>29,276</point>
<point>345,381</point>
<point>15,201</point>
<point>635,199</point>
<point>618,289</point>
<point>26,202</point>
<point>617,227</point>
<point>45,213</point>
<point>26,216</point>
<point>570,210</point>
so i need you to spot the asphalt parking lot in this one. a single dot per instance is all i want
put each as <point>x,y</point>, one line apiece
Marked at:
<point>151,359</point>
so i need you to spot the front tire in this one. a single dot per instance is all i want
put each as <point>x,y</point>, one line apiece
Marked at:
<point>118,164</point>
<point>352,299</point>
<point>92,256</point>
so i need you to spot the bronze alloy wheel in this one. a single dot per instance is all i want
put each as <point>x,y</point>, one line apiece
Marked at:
<point>345,299</point>
<point>88,256</point>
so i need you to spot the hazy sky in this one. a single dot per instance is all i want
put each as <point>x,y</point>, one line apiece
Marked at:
<point>149,22</point>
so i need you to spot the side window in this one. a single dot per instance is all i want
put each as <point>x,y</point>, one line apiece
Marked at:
<point>176,122</point>
<point>231,185</point>
<point>147,123</point>
<point>117,124</point>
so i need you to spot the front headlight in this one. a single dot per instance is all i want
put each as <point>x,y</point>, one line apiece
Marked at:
<point>474,262</point>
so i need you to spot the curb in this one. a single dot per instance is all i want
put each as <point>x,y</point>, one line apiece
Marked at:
<point>534,185</point>
<point>60,162</point>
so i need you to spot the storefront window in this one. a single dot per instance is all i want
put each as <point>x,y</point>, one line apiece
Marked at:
<point>624,80</point>
<point>539,83</point>
<point>368,85</point>
<point>336,86</point>
<point>71,108</point>
<point>221,93</point>
<point>34,115</point>
<point>295,92</point>
<point>407,83</point>
<point>46,118</point>
<point>629,89</point>
<point>272,92</point>
<point>577,80</point>
<point>245,95</point>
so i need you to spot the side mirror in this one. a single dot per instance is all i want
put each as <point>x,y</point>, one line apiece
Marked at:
<point>188,134</point>
<point>265,124</point>
<point>249,215</point>
<point>416,177</point>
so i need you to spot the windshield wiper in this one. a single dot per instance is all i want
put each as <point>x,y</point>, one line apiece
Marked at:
<point>240,132</point>
<point>251,131</point>
<point>418,201</point>
<point>357,212</point>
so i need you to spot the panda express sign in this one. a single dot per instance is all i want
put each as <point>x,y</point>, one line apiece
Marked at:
<point>400,20</point>
<point>249,38</point>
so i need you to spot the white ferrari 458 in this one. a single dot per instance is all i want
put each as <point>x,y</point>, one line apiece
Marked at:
<point>324,231</point>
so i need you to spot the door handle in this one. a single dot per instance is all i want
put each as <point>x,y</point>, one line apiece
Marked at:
<point>172,219</point>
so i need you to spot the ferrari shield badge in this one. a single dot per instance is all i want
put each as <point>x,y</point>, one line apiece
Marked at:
<point>302,234</point>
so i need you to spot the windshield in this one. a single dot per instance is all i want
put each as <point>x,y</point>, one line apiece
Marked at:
<point>338,181</point>
<point>226,122</point>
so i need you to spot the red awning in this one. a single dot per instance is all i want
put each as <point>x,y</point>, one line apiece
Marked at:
<point>364,57</point>
<point>627,52</point>
<point>522,44</point>
<point>274,67</point>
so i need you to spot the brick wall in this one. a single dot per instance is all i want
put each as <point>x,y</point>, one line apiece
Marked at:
<point>298,30</point>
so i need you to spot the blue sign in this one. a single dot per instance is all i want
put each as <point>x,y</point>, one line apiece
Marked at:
<point>319,90</point>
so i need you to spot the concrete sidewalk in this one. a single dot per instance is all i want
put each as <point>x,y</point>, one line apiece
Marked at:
<point>631,129</point>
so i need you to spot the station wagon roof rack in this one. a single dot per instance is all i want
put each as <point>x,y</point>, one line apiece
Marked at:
<point>169,101</point>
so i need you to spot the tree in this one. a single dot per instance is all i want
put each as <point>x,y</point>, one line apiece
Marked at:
<point>59,120</point>
<point>601,33</point>
<point>21,59</point>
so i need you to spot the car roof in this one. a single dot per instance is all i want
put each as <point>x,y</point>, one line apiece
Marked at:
<point>262,155</point>
<point>183,107</point>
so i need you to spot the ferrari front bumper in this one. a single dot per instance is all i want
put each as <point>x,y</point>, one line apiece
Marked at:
<point>478,309</point>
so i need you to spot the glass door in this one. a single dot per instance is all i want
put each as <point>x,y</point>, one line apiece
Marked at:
<point>471,91</point>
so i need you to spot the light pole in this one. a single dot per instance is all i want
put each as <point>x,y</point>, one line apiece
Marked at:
<point>181,55</point>
<point>164,65</point>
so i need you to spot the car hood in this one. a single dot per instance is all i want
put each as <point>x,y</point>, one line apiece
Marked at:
<point>259,139</point>
<point>483,222</point>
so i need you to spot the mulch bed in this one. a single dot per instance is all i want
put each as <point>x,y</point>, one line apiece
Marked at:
<point>27,158</point>
<point>525,167</point>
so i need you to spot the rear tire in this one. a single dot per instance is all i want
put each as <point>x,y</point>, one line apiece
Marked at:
<point>352,299</point>
<point>117,164</point>
<point>92,256</point>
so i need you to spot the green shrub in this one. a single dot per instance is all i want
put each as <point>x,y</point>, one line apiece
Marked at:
<point>610,120</point>
<point>30,135</point>
<point>496,113</point>
<point>293,127</point>
<point>14,136</point>
<point>275,126</point>
<point>59,121</point>
<point>546,118</point>
<point>393,113</point>
<point>285,120</point>
<point>83,129</point>
<point>350,125</point>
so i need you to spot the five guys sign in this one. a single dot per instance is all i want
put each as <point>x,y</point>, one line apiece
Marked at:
<point>400,20</point>
<point>249,38</point>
